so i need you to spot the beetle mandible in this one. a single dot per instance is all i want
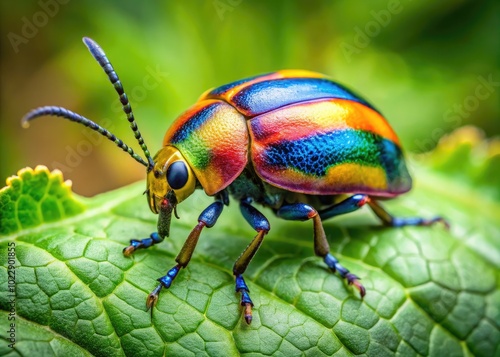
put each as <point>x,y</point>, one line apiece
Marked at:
<point>292,140</point>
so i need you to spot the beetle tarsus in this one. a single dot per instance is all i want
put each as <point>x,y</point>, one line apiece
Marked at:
<point>242,288</point>
<point>353,279</point>
<point>135,244</point>
<point>165,282</point>
<point>391,221</point>
<point>439,220</point>
<point>415,221</point>
<point>153,298</point>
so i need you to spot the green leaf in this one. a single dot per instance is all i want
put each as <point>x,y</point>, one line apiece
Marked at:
<point>429,291</point>
<point>34,197</point>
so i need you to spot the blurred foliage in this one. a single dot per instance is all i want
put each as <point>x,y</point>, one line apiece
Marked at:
<point>425,64</point>
<point>472,161</point>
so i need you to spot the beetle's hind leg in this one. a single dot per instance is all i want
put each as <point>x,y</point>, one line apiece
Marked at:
<point>303,212</point>
<point>260,223</point>
<point>389,220</point>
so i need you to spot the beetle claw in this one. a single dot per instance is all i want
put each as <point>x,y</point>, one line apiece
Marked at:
<point>153,298</point>
<point>354,280</point>
<point>128,250</point>
<point>134,245</point>
<point>443,221</point>
<point>248,313</point>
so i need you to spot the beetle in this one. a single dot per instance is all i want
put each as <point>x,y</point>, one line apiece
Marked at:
<point>292,140</point>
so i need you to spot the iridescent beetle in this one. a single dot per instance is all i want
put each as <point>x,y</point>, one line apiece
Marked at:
<point>291,140</point>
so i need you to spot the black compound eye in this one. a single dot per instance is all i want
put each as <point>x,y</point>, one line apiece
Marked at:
<point>177,175</point>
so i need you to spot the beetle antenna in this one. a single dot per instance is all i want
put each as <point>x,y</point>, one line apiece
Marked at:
<point>103,61</point>
<point>77,118</point>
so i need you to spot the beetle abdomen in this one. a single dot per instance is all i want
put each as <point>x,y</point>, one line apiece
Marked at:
<point>326,147</point>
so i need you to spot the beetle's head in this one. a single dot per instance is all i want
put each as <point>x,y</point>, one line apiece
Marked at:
<point>170,181</point>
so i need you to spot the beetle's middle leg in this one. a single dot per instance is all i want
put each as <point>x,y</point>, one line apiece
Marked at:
<point>303,212</point>
<point>207,219</point>
<point>260,223</point>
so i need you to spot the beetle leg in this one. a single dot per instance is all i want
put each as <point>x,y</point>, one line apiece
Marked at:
<point>135,244</point>
<point>350,204</point>
<point>155,237</point>
<point>260,223</point>
<point>207,219</point>
<point>303,212</point>
<point>389,220</point>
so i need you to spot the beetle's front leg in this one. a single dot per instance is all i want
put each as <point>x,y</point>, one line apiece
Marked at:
<point>135,244</point>
<point>260,223</point>
<point>164,217</point>
<point>206,219</point>
<point>303,212</point>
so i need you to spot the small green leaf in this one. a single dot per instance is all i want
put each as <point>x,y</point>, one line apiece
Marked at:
<point>34,197</point>
<point>430,291</point>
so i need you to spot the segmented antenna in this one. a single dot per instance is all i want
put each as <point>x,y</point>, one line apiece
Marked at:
<point>103,61</point>
<point>77,118</point>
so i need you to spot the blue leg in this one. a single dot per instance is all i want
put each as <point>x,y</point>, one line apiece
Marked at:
<point>389,220</point>
<point>260,223</point>
<point>303,212</point>
<point>156,237</point>
<point>135,244</point>
<point>206,219</point>
<point>350,204</point>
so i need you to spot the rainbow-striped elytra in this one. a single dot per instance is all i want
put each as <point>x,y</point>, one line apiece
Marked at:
<point>294,141</point>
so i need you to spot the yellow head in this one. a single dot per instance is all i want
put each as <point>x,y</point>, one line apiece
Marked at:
<point>170,181</point>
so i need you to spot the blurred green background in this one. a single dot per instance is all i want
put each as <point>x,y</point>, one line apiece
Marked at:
<point>429,66</point>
